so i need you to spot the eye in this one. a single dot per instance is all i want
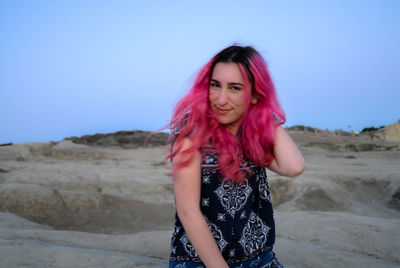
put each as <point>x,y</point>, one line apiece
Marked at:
<point>213,84</point>
<point>235,88</point>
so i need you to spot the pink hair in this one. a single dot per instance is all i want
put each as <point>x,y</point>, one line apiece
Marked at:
<point>193,117</point>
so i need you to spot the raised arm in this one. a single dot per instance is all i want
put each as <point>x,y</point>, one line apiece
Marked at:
<point>187,197</point>
<point>288,159</point>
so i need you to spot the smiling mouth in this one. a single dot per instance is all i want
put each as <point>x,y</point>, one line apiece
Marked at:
<point>222,111</point>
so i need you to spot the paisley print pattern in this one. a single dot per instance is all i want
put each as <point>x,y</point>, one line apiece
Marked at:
<point>254,234</point>
<point>233,196</point>
<point>188,246</point>
<point>263,188</point>
<point>174,235</point>
<point>216,233</point>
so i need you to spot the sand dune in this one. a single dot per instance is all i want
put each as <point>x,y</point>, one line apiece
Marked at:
<point>76,205</point>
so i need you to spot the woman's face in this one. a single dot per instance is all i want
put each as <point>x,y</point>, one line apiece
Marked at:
<point>229,95</point>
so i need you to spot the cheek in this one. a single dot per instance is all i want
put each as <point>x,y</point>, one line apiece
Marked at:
<point>240,101</point>
<point>211,96</point>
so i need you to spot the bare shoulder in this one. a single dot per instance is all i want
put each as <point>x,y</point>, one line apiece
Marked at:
<point>187,158</point>
<point>181,155</point>
<point>187,143</point>
<point>186,178</point>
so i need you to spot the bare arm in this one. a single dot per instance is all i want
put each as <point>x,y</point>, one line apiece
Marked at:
<point>288,159</point>
<point>187,197</point>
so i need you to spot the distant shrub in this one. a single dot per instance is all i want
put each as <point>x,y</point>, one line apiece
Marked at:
<point>371,129</point>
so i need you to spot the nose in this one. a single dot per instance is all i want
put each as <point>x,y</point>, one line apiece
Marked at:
<point>221,100</point>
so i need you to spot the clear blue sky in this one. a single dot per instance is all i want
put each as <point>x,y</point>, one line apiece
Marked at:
<point>69,68</point>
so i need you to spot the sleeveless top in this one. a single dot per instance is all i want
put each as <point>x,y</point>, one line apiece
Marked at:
<point>240,216</point>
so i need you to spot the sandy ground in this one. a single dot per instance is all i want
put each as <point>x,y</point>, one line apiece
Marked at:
<point>73,205</point>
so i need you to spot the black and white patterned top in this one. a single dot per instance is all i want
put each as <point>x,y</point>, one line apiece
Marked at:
<point>240,216</point>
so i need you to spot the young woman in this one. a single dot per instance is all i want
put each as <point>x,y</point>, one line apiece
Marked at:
<point>226,130</point>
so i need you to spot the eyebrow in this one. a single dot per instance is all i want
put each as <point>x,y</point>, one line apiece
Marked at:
<point>231,84</point>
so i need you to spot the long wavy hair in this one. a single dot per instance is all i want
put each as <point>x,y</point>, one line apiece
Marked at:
<point>193,117</point>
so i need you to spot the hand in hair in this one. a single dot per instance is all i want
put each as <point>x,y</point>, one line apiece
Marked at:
<point>288,160</point>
